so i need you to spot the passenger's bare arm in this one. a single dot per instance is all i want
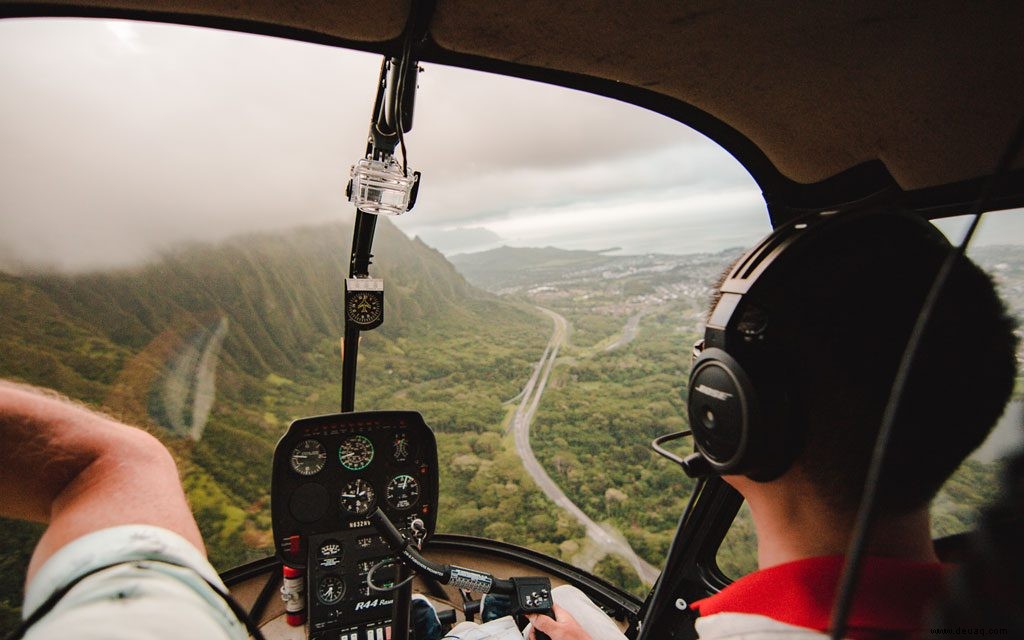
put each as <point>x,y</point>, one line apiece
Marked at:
<point>80,472</point>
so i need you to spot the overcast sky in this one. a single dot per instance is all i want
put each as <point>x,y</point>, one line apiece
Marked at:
<point>119,139</point>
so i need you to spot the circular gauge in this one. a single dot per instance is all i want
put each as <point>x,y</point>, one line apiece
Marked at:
<point>400,447</point>
<point>330,590</point>
<point>330,554</point>
<point>308,457</point>
<point>403,491</point>
<point>330,549</point>
<point>364,308</point>
<point>357,497</point>
<point>356,453</point>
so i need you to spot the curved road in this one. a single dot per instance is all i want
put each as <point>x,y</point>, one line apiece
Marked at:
<point>189,386</point>
<point>607,539</point>
<point>629,331</point>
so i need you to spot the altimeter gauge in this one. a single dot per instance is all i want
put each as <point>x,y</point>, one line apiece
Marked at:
<point>356,453</point>
<point>357,497</point>
<point>330,590</point>
<point>308,457</point>
<point>403,492</point>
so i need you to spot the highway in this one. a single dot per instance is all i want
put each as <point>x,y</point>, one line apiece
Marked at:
<point>629,331</point>
<point>607,539</point>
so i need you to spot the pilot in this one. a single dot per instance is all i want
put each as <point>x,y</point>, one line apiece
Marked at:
<point>121,556</point>
<point>840,319</point>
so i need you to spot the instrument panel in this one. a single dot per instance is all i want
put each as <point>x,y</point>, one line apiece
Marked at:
<point>329,472</point>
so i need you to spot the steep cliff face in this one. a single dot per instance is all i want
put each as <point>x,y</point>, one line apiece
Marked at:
<point>280,295</point>
<point>215,348</point>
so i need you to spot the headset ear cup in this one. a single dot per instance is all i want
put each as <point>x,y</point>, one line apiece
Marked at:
<point>721,404</point>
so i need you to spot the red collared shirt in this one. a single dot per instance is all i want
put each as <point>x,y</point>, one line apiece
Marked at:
<point>892,595</point>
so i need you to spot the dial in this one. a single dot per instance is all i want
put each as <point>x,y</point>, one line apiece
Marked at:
<point>357,497</point>
<point>308,457</point>
<point>356,453</point>
<point>400,447</point>
<point>364,308</point>
<point>403,492</point>
<point>330,590</point>
<point>330,554</point>
<point>329,549</point>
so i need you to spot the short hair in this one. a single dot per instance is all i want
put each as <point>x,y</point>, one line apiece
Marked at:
<point>844,315</point>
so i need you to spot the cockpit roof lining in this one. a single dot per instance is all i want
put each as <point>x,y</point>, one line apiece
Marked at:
<point>812,84</point>
<point>822,102</point>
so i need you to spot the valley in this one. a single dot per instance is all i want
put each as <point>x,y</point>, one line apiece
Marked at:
<point>620,382</point>
<point>215,349</point>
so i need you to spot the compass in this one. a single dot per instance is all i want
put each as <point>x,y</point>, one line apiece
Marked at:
<point>363,307</point>
<point>364,302</point>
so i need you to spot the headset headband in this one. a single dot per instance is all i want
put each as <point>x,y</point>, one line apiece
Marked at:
<point>740,403</point>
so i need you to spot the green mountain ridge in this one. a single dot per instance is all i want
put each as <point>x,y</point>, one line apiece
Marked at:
<point>272,307</point>
<point>281,293</point>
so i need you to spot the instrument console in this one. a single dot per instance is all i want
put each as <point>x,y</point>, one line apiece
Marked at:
<point>329,472</point>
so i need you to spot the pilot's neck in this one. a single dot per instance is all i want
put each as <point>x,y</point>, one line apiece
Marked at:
<point>793,526</point>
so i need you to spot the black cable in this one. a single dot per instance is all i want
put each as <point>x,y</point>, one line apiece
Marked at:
<point>665,453</point>
<point>373,569</point>
<point>868,503</point>
<point>378,105</point>
<point>403,70</point>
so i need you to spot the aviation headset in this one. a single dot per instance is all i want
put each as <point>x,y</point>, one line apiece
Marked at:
<point>742,408</point>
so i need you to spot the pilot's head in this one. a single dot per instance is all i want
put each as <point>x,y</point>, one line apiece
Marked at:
<point>840,320</point>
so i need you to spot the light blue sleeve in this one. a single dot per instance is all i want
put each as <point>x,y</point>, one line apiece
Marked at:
<point>157,588</point>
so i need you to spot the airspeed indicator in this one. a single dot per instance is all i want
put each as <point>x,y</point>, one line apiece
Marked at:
<point>356,453</point>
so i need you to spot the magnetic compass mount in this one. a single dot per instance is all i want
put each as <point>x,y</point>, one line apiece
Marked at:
<point>364,302</point>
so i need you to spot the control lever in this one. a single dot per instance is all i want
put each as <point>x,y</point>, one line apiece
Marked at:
<point>531,595</point>
<point>528,594</point>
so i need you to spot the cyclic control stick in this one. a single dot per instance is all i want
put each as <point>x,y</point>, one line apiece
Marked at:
<point>528,594</point>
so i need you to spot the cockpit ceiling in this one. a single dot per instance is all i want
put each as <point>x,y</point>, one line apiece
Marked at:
<point>933,90</point>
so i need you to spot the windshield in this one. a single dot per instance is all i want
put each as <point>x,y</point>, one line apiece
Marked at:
<point>174,236</point>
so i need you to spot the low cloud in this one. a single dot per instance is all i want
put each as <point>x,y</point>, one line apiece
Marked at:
<point>120,139</point>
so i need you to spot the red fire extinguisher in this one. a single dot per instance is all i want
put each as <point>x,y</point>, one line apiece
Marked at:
<point>293,593</point>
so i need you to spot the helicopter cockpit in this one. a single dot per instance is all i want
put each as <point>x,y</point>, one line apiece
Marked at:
<point>351,517</point>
